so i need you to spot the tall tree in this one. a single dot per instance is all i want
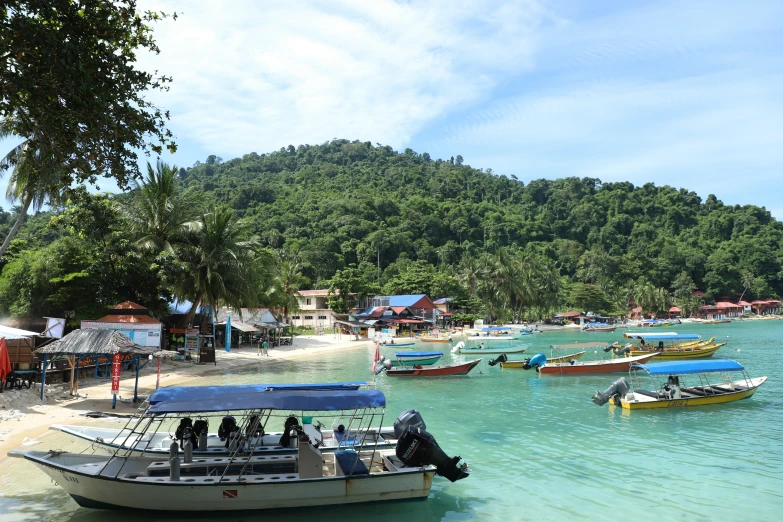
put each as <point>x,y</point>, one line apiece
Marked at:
<point>69,82</point>
<point>159,214</point>
<point>218,263</point>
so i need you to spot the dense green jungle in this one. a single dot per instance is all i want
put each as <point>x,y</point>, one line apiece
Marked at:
<point>364,219</point>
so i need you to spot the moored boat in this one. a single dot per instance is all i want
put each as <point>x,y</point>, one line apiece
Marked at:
<point>245,481</point>
<point>668,346</point>
<point>715,321</point>
<point>560,359</point>
<point>435,339</point>
<point>433,371</point>
<point>688,383</point>
<point>598,328</point>
<point>618,364</point>
<point>481,349</point>
<point>416,358</point>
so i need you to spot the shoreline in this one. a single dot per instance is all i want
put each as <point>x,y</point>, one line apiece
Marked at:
<point>24,418</point>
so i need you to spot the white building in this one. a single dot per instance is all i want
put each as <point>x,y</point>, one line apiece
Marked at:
<point>313,309</point>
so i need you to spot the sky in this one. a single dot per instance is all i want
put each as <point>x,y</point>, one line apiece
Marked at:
<point>686,94</point>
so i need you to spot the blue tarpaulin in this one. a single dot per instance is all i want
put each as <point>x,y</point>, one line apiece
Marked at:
<point>200,393</point>
<point>286,400</point>
<point>687,367</point>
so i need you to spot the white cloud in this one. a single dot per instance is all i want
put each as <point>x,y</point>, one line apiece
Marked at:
<point>253,77</point>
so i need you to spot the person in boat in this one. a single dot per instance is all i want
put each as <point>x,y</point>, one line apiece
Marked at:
<point>481,346</point>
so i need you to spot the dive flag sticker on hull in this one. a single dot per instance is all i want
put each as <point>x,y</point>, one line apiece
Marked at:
<point>229,493</point>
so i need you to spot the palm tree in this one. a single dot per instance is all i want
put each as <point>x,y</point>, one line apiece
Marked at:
<point>35,180</point>
<point>219,262</point>
<point>288,281</point>
<point>159,214</point>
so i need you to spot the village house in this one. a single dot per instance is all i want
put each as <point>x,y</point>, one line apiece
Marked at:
<point>314,309</point>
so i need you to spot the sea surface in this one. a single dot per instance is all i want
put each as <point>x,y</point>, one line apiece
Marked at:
<point>537,446</point>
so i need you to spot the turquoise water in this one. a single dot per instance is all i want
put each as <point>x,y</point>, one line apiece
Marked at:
<point>539,449</point>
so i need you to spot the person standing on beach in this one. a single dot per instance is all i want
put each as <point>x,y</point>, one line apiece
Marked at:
<point>266,347</point>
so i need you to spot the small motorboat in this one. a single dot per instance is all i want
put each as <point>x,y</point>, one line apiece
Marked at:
<point>435,339</point>
<point>244,480</point>
<point>668,346</point>
<point>397,344</point>
<point>433,371</point>
<point>560,359</point>
<point>618,364</point>
<point>675,392</point>
<point>416,358</point>
<point>488,350</point>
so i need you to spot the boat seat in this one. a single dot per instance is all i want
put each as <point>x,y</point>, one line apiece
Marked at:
<point>696,391</point>
<point>266,464</point>
<point>737,387</point>
<point>348,463</point>
<point>654,395</point>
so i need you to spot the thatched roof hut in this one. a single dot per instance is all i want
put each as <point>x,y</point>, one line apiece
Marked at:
<point>94,342</point>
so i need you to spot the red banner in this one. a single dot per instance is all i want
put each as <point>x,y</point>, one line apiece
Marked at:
<point>115,374</point>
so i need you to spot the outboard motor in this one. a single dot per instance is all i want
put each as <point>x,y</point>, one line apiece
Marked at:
<point>385,365</point>
<point>618,388</point>
<point>417,448</point>
<point>502,358</point>
<point>407,418</point>
<point>227,425</point>
<point>536,362</point>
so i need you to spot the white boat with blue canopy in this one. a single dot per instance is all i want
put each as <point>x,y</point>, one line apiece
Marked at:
<point>686,383</point>
<point>496,333</point>
<point>154,443</point>
<point>243,479</point>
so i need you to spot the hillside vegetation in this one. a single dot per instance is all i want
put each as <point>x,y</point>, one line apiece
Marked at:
<point>363,218</point>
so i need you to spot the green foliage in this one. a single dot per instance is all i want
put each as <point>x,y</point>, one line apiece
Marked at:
<point>587,297</point>
<point>69,84</point>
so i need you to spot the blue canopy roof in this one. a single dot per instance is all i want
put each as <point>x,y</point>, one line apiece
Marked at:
<point>201,393</point>
<point>405,300</point>
<point>418,354</point>
<point>686,367</point>
<point>663,336</point>
<point>286,400</point>
<point>495,329</point>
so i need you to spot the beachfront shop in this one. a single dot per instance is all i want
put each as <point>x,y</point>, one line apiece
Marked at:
<point>133,321</point>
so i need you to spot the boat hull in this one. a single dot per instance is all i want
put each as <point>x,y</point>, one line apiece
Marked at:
<point>229,494</point>
<point>622,364</point>
<point>562,359</point>
<point>435,340</point>
<point>434,371</point>
<point>681,353</point>
<point>693,401</point>
<point>600,330</point>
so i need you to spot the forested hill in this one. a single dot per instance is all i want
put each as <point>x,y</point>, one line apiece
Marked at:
<point>351,203</point>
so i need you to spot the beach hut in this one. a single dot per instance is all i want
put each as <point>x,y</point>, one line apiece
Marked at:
<point>94,347</point>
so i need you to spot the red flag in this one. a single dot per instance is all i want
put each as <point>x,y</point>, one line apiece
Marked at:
<point>5,360</point>
<point>377,356</point>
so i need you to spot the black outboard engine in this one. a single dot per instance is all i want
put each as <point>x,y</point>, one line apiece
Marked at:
<point>227,425</point>
<point>617,389</point>
<point>417,448</point>
<point>502,358</point>
<point>536,362</point>
<point>185,431</point>
<point>407,418</point>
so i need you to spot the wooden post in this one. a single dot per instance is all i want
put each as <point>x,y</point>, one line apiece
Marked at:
<point>43,376</point>
<point>72,364</point>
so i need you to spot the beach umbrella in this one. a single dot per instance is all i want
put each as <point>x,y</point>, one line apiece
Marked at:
<point>228,334</point>
<point>5,361</point>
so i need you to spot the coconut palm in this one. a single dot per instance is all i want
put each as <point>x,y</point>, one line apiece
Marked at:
<point>218,259</point>
<point>288,280</point>
<point>35,179</point>
<point>159,214</point>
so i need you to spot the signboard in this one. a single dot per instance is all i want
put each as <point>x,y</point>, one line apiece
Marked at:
<point>115,373</point>
<point>141,334</point>
<point>191,340</point>
<point>54,327</point>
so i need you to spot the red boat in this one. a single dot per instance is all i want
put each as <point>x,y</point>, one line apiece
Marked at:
<point>620,364</point>
<point>432,371</point>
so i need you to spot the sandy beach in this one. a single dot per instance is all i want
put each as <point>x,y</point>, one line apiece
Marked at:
<point>25,419</point>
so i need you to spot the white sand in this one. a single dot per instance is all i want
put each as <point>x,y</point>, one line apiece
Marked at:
<point>24,418</point>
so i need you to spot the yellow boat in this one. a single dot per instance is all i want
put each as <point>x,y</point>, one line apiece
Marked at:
<point>562,359</point>
<point>675,393</point>
<point>698,352</point>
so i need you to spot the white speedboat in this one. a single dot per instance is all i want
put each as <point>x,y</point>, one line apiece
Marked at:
<point>243,480</point>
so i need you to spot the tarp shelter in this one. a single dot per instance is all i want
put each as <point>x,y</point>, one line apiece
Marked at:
<point>81,345</point>
<point>20,346</point>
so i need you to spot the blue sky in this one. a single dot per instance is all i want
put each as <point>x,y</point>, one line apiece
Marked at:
<point>680,93</point>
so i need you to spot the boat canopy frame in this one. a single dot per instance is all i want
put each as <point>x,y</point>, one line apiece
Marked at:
<point>676,371</point>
